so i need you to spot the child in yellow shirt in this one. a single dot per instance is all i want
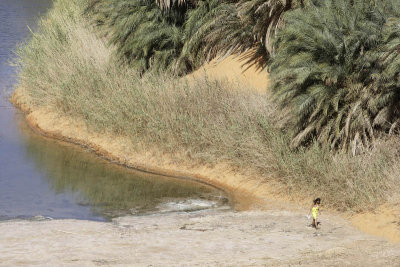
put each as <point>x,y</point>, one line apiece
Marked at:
<point>314,212</point>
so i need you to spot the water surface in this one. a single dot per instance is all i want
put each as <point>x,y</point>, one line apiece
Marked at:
<point>39,176</point>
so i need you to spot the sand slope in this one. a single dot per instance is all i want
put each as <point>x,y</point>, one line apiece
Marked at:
<point>232,69</point>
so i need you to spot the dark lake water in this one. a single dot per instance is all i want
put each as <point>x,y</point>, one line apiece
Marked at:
<point>43,177</point>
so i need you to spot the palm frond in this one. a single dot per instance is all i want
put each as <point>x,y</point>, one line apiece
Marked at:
<point>339,72</point>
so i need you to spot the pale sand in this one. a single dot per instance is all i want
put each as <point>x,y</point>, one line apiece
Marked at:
<point>207,238</point>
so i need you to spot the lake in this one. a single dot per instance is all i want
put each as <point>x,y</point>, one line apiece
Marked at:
<point>41,178</point>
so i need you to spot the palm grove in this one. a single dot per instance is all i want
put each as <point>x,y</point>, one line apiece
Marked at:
<point>333,62</point>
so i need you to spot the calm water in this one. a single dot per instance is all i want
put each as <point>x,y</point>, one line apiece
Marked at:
<point>39,176</point>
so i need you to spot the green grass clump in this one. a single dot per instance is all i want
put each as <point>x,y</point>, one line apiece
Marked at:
<point>66,67</point>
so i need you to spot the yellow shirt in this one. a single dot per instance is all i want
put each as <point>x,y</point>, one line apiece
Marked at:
<point>314,212</point>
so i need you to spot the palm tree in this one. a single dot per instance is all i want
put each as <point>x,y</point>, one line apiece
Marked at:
<point>326,69</point>
<point>266,17</point>
<point>247,25</point>
<point>214,29</point>
<point>144,35</point>
<point>190,32</point>
<point>171,4</point>
<point>387,82</point>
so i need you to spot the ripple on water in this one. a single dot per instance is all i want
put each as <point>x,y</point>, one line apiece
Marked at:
<point>187,205</point>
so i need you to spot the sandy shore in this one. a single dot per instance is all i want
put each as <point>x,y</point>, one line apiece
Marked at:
<point>207,238</point>
<point>245,191</point>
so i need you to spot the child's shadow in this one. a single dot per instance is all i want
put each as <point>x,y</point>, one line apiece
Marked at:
<point>310,225</point>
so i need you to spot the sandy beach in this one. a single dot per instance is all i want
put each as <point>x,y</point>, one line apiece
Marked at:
<point>206,238</point>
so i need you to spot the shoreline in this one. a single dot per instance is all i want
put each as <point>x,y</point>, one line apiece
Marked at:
<point>245,193</point>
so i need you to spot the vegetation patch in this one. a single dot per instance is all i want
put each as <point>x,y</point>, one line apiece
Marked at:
<point>336,68</point>
<point>102,75</point>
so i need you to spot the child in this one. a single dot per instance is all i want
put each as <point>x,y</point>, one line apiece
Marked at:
<point>314,212</point>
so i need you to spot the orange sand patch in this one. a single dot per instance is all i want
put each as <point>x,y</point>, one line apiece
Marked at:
<point>231,68</point>
<point>383,222</point>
